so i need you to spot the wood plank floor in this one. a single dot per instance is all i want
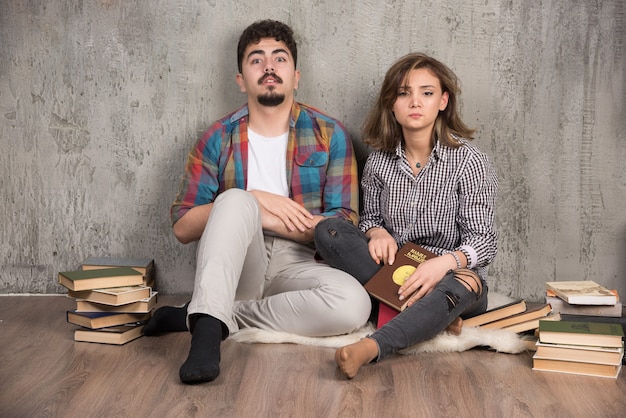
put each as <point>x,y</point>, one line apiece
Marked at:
<point>44,373</point>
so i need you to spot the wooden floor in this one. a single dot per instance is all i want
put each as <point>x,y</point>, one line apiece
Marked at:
<point>44,373</point>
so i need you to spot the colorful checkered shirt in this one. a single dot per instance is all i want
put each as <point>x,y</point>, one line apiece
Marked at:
<point>321,166</point>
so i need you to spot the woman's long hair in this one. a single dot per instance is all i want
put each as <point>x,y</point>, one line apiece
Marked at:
<point>381,130</point>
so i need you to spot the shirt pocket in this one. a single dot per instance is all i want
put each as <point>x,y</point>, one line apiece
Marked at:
<point>310,178</point>
<point>315,159</point>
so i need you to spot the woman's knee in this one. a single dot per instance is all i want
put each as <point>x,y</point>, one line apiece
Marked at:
<point>470,280</point>
<point>331,229</point>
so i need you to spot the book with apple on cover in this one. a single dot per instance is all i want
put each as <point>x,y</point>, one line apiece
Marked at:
<point>112,335</point>
<point>384,285</point>
<point>95,320</point>
<point>114,296</point>
<point>100,279</point>
<point>581,333</point>
<point>582,292</point>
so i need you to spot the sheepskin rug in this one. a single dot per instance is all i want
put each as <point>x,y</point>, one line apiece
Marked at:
<point>497,339</point>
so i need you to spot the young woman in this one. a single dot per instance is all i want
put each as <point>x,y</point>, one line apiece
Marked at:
<point>424,182</point>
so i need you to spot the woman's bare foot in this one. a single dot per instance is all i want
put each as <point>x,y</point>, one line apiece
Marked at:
<point>351,357</point>
<point>456,326</point>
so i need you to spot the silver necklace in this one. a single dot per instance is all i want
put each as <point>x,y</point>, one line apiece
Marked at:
<point>417,163</point>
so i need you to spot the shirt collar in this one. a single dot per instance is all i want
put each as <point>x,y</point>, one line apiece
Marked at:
<point>244,111</point>
<point>438,153</point>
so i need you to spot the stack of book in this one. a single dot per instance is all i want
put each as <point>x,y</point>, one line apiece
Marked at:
<point>583,348</point>
<point>517,316</point>
<point>585,297</point>
<point>114,298</point>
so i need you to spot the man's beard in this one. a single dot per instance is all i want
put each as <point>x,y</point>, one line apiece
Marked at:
<point>271,99</point>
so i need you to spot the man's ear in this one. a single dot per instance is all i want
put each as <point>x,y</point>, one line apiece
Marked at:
<point>296,80</point>
<point>240,82</point>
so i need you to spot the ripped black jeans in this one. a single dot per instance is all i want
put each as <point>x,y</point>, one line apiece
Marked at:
<point>344,246</point>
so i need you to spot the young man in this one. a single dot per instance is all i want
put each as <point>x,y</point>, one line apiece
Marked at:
<point>255,185</point>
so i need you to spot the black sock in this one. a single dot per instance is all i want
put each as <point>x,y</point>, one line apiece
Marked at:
<point>167,319</point>
<point>203,362</point>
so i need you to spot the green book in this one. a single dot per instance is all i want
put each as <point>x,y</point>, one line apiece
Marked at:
<point>100,279</point>
<point>142,265</point>
<point>581,333</point>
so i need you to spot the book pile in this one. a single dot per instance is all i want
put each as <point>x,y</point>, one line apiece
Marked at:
<point>583,348</point>
<point>585,298</point>
<point>517,316</point>
<point>114,298</point>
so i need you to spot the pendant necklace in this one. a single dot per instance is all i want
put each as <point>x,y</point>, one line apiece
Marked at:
<point>418,165</point>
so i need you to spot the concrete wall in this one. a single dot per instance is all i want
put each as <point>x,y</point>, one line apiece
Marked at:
<point>100,102</point>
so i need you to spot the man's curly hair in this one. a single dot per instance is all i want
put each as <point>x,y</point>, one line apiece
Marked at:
<point>266,29</point>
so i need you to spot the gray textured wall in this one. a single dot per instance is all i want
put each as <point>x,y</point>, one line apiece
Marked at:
<point>100,102</point>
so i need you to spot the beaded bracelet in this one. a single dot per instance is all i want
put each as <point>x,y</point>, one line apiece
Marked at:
<point>456,257</point>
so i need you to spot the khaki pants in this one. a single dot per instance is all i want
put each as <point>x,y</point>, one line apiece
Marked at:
<point>247,279</point>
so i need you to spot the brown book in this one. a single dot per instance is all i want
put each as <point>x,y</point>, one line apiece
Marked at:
<point>95,320</point>
<point>114,296</point>
<point>585,354</point>
<point>141,306</point>
<point>581,333</point>
<point>533,323</point>
<point>576,367</point>
<point>100,279</point>
<point>534,311</point>
<point>384,285</point>
<point>494,314</point>
<point>112,335</point>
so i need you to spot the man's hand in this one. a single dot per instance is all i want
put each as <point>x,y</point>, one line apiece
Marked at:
<point>285,217</point>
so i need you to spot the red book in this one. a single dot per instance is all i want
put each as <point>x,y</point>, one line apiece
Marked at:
<point>385,314</point>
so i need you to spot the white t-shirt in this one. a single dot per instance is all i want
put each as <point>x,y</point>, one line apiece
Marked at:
<point>267,169</point>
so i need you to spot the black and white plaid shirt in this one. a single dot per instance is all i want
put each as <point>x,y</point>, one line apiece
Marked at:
<point>448,206</point>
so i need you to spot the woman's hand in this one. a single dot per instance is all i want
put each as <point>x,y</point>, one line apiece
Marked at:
<point>425,278</point>
<point>382,246</point>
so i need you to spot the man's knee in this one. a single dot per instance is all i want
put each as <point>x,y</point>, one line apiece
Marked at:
<point>237,201</point>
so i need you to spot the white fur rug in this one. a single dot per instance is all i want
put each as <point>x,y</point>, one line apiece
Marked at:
<point>497,339</point>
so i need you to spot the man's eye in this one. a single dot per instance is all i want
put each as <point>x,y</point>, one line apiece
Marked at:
<point>255,61</point>
<point>281,59</point>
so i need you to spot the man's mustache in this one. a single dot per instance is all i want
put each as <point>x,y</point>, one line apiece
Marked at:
<point>268,75</point>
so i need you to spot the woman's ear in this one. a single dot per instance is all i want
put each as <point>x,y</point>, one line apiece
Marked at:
<point>444,101</point>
